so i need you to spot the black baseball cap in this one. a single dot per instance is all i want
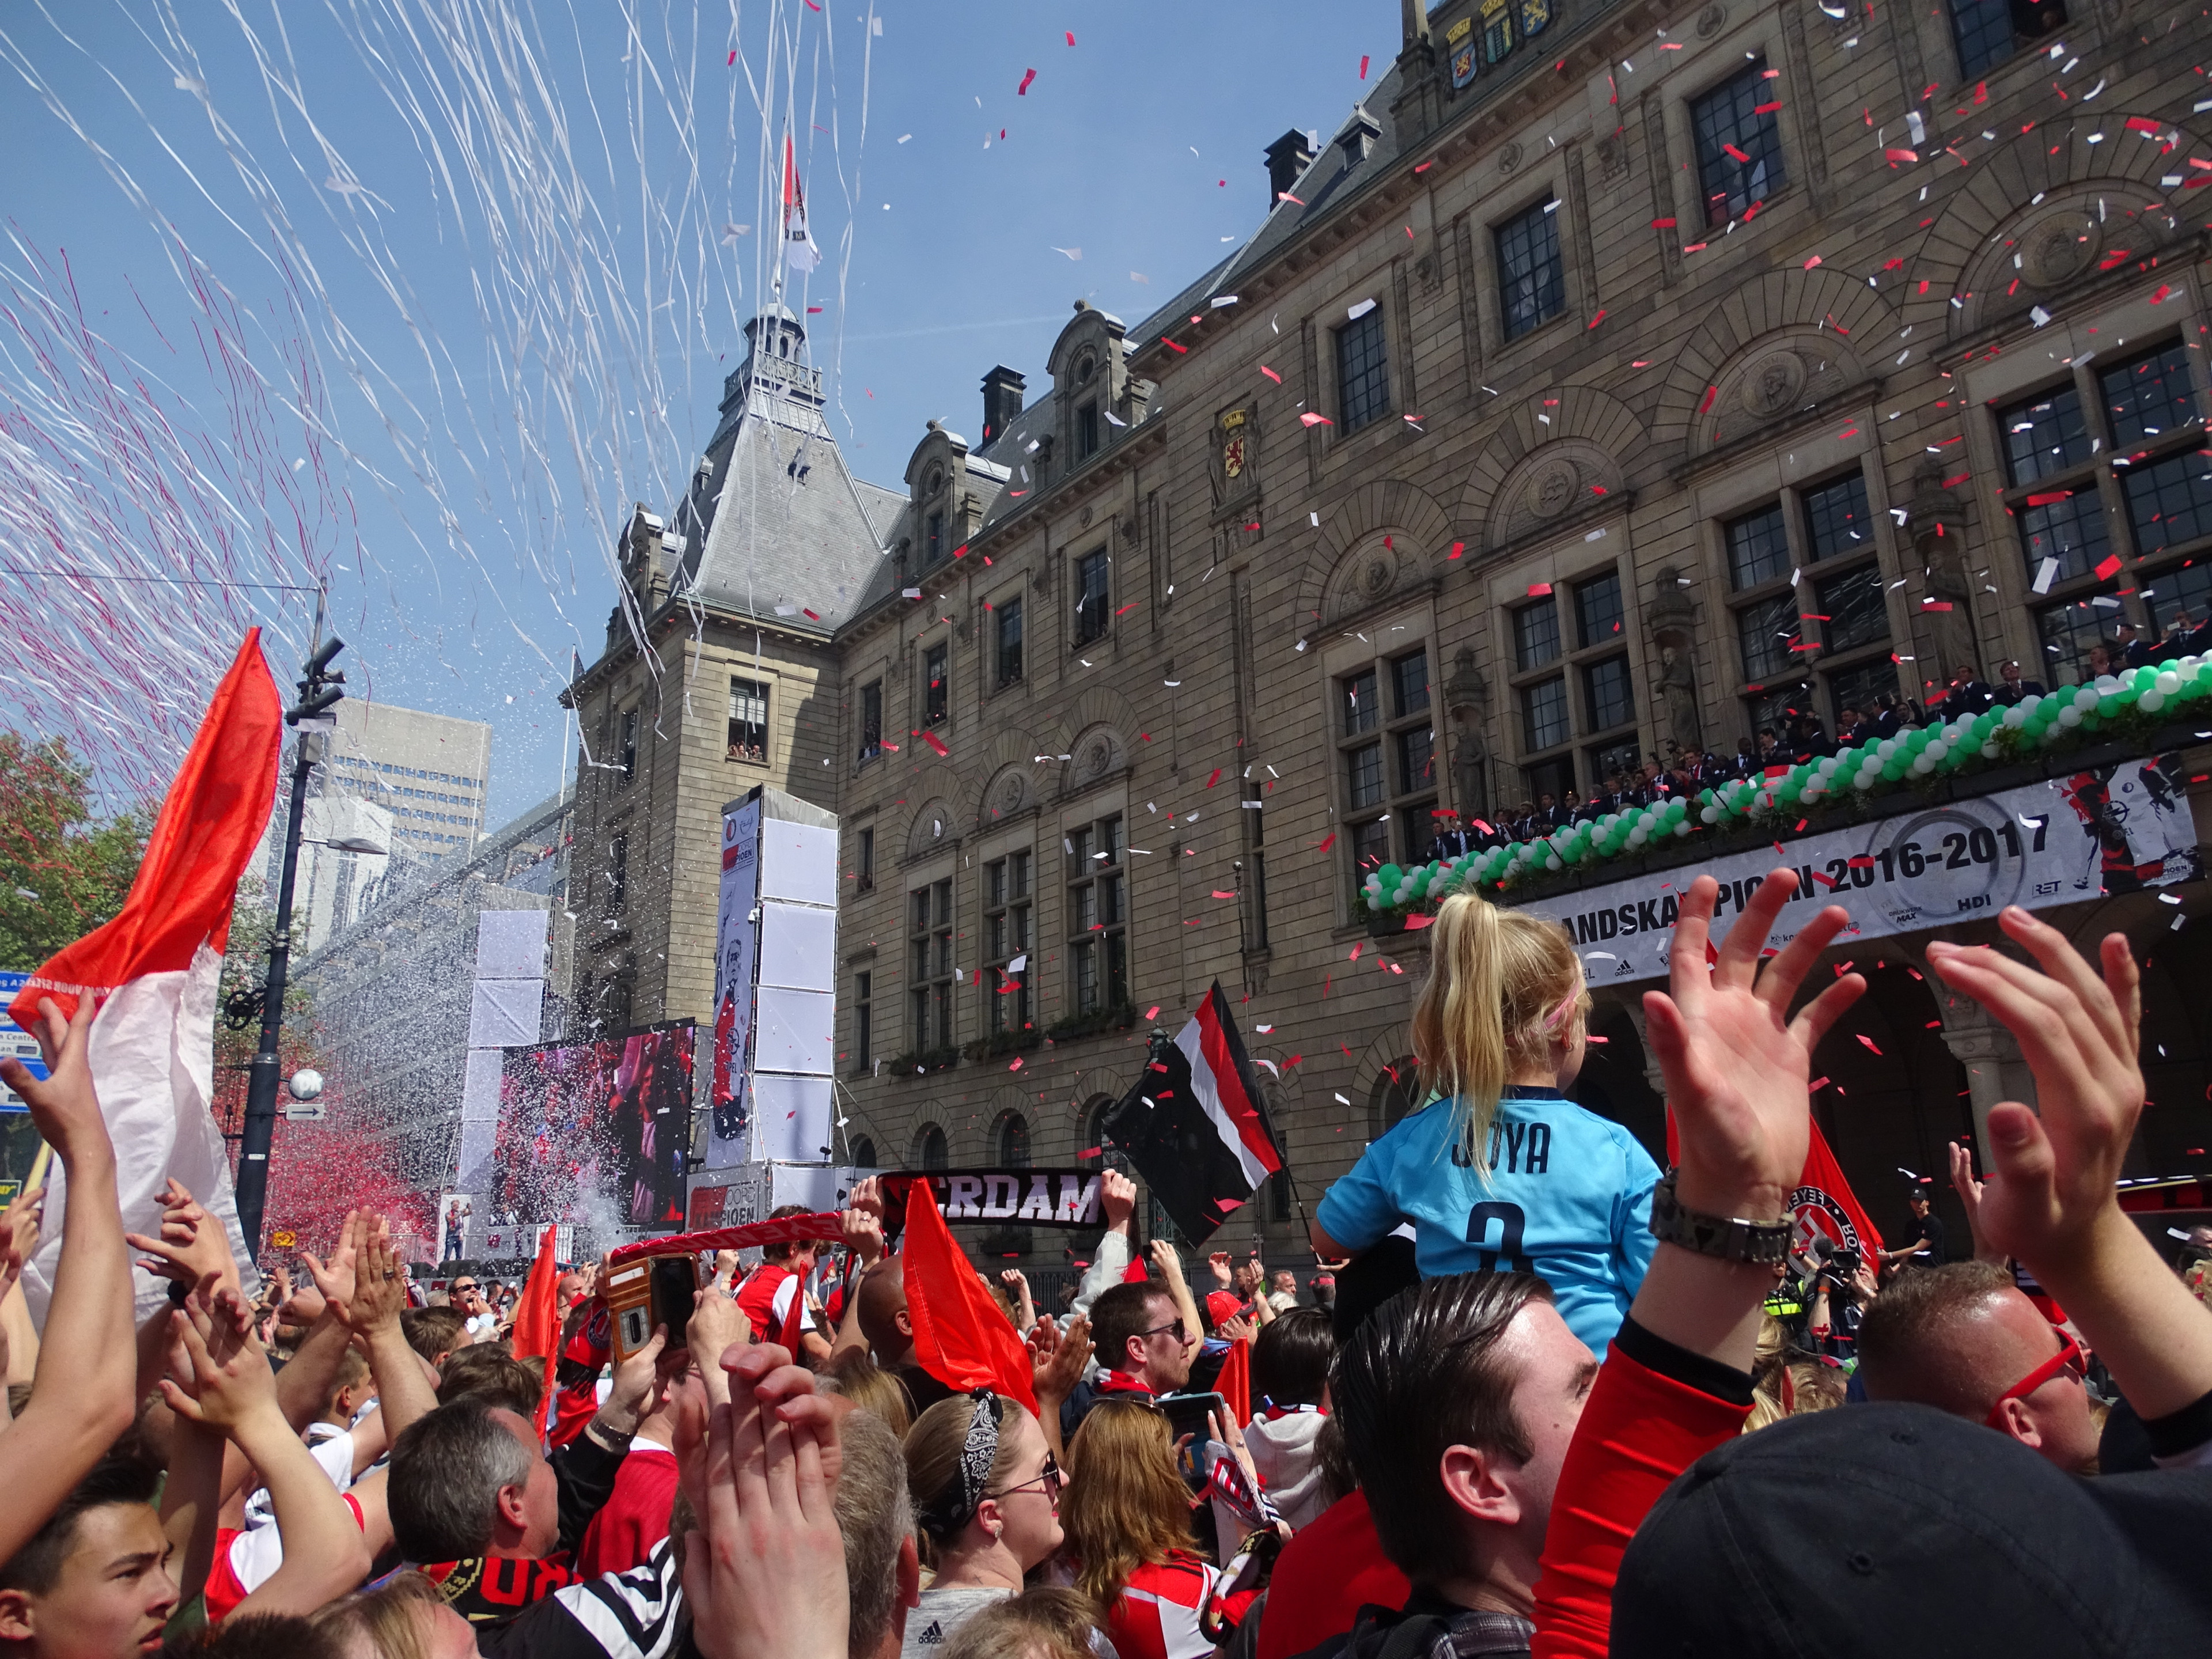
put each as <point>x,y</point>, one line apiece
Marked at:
<point>1875,1528</point>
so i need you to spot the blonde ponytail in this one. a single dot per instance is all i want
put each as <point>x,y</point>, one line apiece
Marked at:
<point>1502,987</point>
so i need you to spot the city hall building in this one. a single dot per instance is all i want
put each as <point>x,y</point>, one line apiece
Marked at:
<point>1611,380</point>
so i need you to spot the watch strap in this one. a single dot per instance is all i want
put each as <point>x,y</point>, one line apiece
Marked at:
<point>1726,1238</point>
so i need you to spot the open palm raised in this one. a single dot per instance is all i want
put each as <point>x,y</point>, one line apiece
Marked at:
<point>1735,1062</point>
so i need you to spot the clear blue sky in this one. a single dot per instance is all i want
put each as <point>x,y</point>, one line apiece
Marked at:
<point>499,398</point>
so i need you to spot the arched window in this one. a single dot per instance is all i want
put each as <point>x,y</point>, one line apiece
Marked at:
<point>929,1151</point>
<point>1014,1141</point>
<point>1396,1092</point>
<point>1096,1154</point>
<point>864,1153</point>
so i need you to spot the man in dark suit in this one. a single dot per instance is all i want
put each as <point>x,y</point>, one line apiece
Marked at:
<point>2011,689</point>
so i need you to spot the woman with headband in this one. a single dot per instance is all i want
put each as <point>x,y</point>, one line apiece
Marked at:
<point>985,1508</point>
<point>1498,1170</point>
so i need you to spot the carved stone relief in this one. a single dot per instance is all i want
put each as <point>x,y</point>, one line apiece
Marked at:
<point>2057,247</point>
<point>1711,20</point>
<point>1776,382</point>
<point>1773,385</point>
<point>1612,157</point>
<point>1364,577</point>
<point>1097,754</point>
<point>1552,482</point>
<point>1508,158</point>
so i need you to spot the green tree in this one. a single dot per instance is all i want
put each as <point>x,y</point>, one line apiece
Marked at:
<point>63,870</point>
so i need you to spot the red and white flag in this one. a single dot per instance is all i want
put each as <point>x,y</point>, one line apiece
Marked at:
<point>799,250</point>
<point>157,964</point>
<point>1195,1124</point>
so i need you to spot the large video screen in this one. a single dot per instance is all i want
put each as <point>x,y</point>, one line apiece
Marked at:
<point>596,1133</point>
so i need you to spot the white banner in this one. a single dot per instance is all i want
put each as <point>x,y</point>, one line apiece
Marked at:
<point>735,931</point>
<point>2115,828</point>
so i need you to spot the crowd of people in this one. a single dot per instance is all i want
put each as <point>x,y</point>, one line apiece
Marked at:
<point>1796,737</point>
<point>1545,1398</point>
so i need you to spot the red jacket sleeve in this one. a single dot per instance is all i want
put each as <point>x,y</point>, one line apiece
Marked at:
<point>1640,1430</point>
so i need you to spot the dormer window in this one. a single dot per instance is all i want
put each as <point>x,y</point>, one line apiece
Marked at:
<point>934,482</point>
<point>933,544</point>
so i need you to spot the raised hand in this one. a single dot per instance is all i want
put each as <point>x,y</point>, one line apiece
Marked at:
<point>1223,1275</point>
<point>1236,1330</point>
<point>191,1246</point>
<point>868,1197</point>
<point>63,1105</point>
<point>228,1379</point>
<point>863,1235</point>
<point>1969,1199</point>
<point>1162,1256</point>
<point>379,1289</point>
<point>1736,1065</point>
<point>2054,1175</point>
<point>1117,1197</point>
<point>334,1280</point>
<point>19,1237</point>
<point>1058,1357</point>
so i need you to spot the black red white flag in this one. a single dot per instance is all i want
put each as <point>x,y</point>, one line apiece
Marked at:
<point>1195,1124</point>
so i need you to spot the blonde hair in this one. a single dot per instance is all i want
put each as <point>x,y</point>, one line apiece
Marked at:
<point>854,1374</point>
<point>1043,1622</point>
<point>383,1618</point>
<point>1502,987</point>
<point>1126,1506</point>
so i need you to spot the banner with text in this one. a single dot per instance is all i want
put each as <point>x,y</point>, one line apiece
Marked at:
<point>1014,1198</point>
<point>2087,835</point>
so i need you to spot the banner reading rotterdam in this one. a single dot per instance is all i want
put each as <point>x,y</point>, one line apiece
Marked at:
<point>1023,1198</point>
<point>2117,829</point>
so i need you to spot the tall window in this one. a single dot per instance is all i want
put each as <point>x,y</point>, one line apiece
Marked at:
<point>2139,460</point>
<point>1832,622</point>
<point>1093,598</point>
<point>1739,143</point>
<point>1006,941</point>
<point>1386,748</point>
<point>864,877</point>
<point>748,720</point>
<point>864,1153</point>
<point>1098,950</point>
<point>1552,672</point>
<point>929,964</point>
<point>864,1029</point>
<point>1532,285</point>
<point>936,682</point>
<point>618,873</point>
<point>1988,32</point>
<point>929,1149</point>
<point>1086,431</point>
<point>626,755</point>
<point>1009,614</point>
<point>1014,1147</point>
<point>871,720</point>
<point>1363,371</point>
<point>933,546</point>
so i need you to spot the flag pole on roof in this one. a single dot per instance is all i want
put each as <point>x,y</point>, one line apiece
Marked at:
<point>1195,1123</point>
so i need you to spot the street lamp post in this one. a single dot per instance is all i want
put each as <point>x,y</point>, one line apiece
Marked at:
<point>321,689</point>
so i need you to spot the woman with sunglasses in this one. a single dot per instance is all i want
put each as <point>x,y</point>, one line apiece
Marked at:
<point>985,1508</point>
<point>1129,1538</point>
<point>1498,1170</point>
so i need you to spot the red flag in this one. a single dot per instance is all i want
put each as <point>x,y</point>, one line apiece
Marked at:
<point>960,1336</point>
<point>793,1332</point>
<point>536,1320</point>
<point>1234,1384</point>
<point>1823,1205</point>
<point>158,963</point>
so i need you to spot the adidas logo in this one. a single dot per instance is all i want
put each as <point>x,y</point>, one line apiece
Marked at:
<point>934,1634</point>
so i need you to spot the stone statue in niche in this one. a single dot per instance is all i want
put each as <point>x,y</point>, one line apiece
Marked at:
<point>1939,536</point>
<point>1467,695</point>
<point>1673,618</point>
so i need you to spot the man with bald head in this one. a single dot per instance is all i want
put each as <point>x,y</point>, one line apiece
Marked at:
<point>888,1324</point>
<point>1963,1339</point>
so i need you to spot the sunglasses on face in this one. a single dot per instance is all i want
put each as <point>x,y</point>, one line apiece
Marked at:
<point>1173,1325</point>
<point>2068,1358</point>
<point>1048,1478</point>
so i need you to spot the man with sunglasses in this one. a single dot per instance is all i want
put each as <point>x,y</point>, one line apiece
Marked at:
<point>1143,1348</point>
<point>1964,1339</point>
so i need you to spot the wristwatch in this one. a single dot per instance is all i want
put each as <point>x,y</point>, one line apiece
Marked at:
<point>1725,1238</point>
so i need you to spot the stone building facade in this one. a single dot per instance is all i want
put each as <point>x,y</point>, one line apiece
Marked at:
<point>1615,376</point>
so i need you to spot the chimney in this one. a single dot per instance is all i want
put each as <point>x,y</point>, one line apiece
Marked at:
<point>1002,402</point>
<point>1288,157</point>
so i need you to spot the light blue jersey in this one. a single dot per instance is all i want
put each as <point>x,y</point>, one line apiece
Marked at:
<point>1569,1198</point>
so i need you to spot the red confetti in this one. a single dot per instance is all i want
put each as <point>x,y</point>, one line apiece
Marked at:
<point>2048,497</point>
<point>1218,893</point>
<point>1071,41</point>
<point>809,615</point>
<point>733,54</point>
<point>1152,1013</point>
<point>1363,68</point>
<point>1271,375</point>
<point>1537,589</point>
<point>1016,1066</point>
<point>1458,548</point>
<point>1215,779</point>
<point>1897,152</point>
<point>1662,224</point>
<point>1736,153</point>
<point>1824,878</point>
<point>1868,1040</point>
<point>1766,109</point>
<point>1311,419</point>
<point>2109,568</point>
<point>1182,350</point>
<point>1599,317</point>
<point>1327,841</point>
<point>1023,90</point>
<point>1415,923</point>
<point>1355,950</point>
<point>935,742</point>
<point>1711,393</point>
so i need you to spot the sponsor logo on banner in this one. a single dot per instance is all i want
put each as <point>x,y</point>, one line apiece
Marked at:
<point>735,931</point>
<point>1814,1215</point>
<point>2120,829</point>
